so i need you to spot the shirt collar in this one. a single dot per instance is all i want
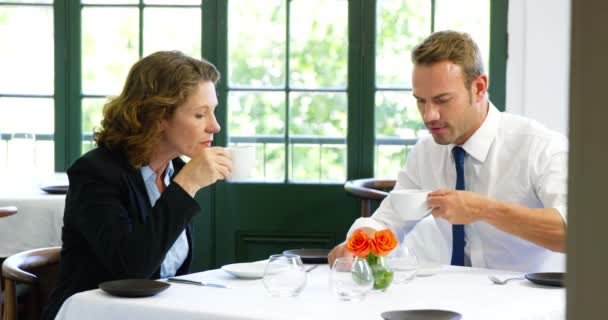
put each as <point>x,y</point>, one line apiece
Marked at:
<point>148,174</point>
<point>478,145</point>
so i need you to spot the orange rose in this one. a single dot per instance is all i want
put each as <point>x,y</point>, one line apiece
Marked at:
<point>383,242</point>
<point>358,243</point>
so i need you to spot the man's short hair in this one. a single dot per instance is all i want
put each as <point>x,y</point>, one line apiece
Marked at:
<point>456,47</point>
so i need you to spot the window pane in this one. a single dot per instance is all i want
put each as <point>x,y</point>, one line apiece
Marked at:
<point>398,126</point>
<point>110,2</point>
<point>305,164</point>
<point>317,129</point>
<point>28,1</point>
<point>318,114</point>
<point>27,143</point>
<point>270,162</point>
<point>333,162</point>
<point>318,163</point>
<point>25,33</point>
<point>319,43</point>
<point>108,49</point>
<point>318,49</point>
<point>401,25</point>
<point>256,113</point>
<point>92,114</point>
<point>45,156</point>
<point>31,115</point>
<point>397,115</point>
<point>172,29</point>
<point>256,43</point>
<point>260,117</point>
<point>389,160</point>
<point>173,2</point>
<point>455,15</point>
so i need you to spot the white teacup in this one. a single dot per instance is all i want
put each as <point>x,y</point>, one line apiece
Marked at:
<point>243,162</point>
<point>410,204</point>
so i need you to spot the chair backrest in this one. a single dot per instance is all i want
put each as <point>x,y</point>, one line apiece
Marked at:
<point>7,211</point>
<point>38,268</point>
<point>368,190</point>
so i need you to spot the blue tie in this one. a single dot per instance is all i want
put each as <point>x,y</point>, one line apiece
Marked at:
<point>458,229</point>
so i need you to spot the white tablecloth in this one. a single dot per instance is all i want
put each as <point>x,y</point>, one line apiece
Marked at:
<point>39,218</point>
<point>464,290</point>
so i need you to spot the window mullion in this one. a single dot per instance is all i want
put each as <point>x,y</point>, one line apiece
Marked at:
<point>141,28</point>
<point>361,82</point>
<point>498,52</point>
<point>288,146</point>
<point>67,83</point>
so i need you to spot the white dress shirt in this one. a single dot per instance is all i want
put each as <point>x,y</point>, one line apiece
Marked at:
<point>510,158</point>
<point>178,253</point>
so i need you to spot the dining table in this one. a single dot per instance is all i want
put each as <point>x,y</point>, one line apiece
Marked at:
<point>464,290</point>
<point>39,219</point>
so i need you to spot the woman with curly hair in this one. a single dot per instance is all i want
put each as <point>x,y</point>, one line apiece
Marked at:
<point>131,200</point>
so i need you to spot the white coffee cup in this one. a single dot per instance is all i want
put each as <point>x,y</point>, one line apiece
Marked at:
<point>243,162</point>
<point>410,204</point>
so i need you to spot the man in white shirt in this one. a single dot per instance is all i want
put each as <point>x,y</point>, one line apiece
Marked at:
<point>510,210</point>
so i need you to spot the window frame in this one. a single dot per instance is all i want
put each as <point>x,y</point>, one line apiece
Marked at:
<point>361,87</point>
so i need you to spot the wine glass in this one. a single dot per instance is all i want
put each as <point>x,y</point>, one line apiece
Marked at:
<point>284,275</point>
<point>351,278</point>
<point>404,263</point>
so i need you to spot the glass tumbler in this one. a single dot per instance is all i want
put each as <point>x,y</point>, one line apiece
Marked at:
<point>351,278</point>
<point>284,275</point>
<point>404,263</point>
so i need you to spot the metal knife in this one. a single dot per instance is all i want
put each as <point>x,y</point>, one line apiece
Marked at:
<point>197,283</point>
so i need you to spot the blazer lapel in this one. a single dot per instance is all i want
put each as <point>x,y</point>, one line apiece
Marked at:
<point>138,193</point>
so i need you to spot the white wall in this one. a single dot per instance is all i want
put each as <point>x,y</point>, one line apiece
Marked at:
<point>538,61</point>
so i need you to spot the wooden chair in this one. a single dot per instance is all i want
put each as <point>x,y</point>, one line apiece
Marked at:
<point>368,190</point>
<point>38,268</point>
<point>7,211</point>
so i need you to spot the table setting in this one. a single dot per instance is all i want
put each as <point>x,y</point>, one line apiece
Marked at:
<point>287,288</point>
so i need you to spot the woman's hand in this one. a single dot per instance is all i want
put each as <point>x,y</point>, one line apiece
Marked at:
<point>210,165</point>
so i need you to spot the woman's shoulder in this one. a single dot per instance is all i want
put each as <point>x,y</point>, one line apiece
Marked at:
<point>101,162</point>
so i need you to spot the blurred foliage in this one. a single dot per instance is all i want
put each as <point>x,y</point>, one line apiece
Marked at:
<point>318,59</point>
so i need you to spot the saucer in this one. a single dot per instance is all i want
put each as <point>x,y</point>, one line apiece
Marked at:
<point>553,279</point>
<point>55,189</point>
<point>423,314</point>
<point>133,288</point>
<point>246,270</point>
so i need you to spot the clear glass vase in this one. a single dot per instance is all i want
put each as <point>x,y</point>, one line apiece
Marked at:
<point>381,271</point>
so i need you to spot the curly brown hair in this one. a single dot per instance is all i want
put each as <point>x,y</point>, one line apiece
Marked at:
<point>456,47</point>
<point>155,86</point>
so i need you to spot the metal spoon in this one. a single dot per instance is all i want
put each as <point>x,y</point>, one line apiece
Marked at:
<point>496,280</point>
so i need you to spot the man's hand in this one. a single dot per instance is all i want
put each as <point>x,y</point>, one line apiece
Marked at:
<point>340,250</point>
<point>458,207</point>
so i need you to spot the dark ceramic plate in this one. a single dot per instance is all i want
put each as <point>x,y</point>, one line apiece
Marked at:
<point>553,279</point>
<point>55,189</point>
<point>310,255</point>
<point>423,314</point>
<point>133,287</point>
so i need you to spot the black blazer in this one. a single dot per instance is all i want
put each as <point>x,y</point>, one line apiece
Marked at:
<point>110,230</point>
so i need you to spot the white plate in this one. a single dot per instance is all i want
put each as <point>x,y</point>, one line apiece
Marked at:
<point>247,270</point>
<point>427,269</point>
